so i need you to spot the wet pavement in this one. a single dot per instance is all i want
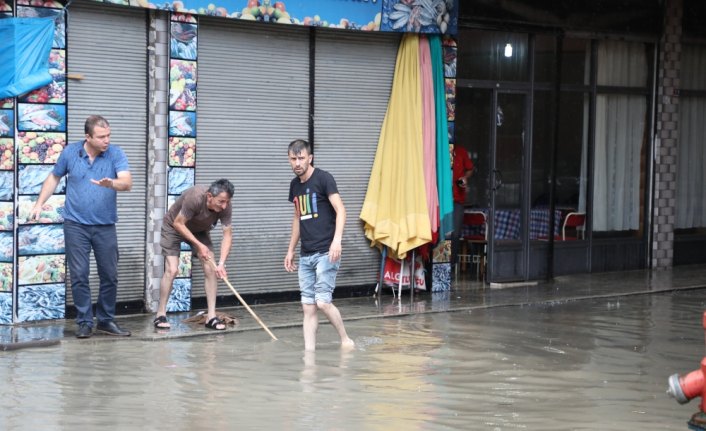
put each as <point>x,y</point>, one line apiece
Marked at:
<point>466,295</point>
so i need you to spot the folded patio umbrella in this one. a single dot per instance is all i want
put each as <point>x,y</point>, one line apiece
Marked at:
<point>429,133</point>
<point>443,160</point>
<point>395,206</point>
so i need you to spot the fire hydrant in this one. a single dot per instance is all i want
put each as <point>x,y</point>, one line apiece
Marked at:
<point>690,386</point>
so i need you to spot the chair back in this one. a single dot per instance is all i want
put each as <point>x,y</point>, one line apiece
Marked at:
<point>475,219</point>
<point>574,220</point>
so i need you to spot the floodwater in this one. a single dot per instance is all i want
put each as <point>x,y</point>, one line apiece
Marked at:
<point>581,365</point>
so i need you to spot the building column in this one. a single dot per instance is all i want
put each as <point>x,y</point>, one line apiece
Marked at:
<point>157,142</point>
<point>667,137</point>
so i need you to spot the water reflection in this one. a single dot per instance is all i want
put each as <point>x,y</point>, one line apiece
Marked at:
<point>315,377</point>
<point>593,364</point>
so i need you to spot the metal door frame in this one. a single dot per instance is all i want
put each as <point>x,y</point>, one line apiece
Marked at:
<point>521,260</point>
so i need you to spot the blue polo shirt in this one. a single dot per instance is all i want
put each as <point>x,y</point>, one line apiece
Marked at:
<point>88,203</point>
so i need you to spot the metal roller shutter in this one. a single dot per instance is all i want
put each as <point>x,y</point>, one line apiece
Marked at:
<point>107,46</point>
<point>353,81</point>
<point>253,99</point>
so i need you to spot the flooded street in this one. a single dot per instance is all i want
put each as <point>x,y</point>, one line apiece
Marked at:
<point>584,365</point>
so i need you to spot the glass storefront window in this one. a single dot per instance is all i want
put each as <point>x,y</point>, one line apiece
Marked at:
<point>544,58</point>
<point>496,56</point>
<point>622,64</point>
<point>576,61</point>
<point>570,190</point>
<point>541,148</point>
<point>693,20</point>
<point>473,132</point>
<point>693,65</point>
<point>691,157</point>
<point>621,138</point>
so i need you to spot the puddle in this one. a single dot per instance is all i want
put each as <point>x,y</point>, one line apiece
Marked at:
<point>599,364</point>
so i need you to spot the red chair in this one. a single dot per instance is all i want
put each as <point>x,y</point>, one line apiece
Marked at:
<point>477,222</point>
<point>574,221</point>
<point>475,219</point>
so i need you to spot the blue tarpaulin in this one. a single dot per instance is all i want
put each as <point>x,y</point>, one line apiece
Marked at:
<point>24,54</point>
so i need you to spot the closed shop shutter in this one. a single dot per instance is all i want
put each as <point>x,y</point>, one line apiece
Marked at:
<point>107,47</point>
<point>253,99</point>
<point>353,81</point>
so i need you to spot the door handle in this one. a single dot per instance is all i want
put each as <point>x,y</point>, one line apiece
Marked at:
<point>497,179</point>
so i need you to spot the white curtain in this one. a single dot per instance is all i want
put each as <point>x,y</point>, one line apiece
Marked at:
<point>620,133</point>
<point>691,159</point>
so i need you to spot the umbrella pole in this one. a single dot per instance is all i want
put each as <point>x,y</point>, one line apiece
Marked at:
<point>399,287</point>
<point>378,289</point>
<point>412,280</point>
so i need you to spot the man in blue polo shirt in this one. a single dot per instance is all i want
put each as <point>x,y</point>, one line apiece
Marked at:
<point>96,171</point>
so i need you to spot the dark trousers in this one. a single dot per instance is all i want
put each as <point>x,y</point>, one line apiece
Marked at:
<point>103,239</point>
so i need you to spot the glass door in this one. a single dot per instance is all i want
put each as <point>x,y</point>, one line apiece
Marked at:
<point>493,126</point>
<point>508,246</point>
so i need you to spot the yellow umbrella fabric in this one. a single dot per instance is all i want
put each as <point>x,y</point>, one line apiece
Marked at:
<point>395,206</point>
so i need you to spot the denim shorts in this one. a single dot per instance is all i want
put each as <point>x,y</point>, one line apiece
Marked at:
<point>317,278</point>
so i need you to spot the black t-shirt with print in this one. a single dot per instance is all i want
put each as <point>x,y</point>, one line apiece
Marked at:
<point>317,218</point>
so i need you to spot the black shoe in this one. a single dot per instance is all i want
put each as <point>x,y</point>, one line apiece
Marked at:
<point>112,328</point>
<point>84,330</point>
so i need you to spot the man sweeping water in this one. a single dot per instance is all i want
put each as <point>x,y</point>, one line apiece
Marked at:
<point>190,219</point>
<point>319,217</point>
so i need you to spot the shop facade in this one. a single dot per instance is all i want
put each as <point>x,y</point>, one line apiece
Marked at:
<point>582,117</point>
<point>596,123</point>
<point>193,96</point>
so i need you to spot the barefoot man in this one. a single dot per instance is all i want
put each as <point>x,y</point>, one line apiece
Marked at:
<point>319,217</point>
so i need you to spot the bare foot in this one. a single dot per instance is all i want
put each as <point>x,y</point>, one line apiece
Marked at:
<point>347,344</point>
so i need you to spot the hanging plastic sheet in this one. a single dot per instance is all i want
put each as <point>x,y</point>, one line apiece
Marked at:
<point>24,54</point>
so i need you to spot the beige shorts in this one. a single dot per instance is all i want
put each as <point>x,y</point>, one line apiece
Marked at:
<point>171,241</point>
